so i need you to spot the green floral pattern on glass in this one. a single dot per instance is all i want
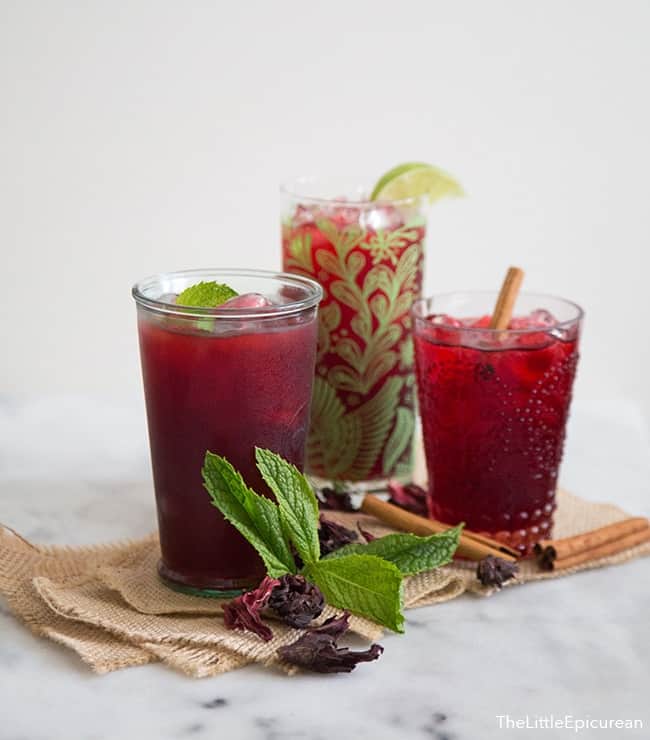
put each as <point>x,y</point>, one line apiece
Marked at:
<point>363,403</point>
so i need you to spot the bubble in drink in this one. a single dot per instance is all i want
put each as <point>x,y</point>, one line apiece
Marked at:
<point>248,300</point>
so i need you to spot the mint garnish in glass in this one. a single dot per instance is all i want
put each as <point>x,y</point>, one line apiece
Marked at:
<point>206,295</point>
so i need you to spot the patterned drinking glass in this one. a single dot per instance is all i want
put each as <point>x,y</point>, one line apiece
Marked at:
<point>494,410</point>
<point>368,257</point>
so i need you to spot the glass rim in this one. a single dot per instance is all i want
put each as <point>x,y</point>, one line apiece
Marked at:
<point>237,313</point>
<point>291,188</point>
<point>579,312</point>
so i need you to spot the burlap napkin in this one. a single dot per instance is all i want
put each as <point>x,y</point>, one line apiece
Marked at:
<point>107,603</point>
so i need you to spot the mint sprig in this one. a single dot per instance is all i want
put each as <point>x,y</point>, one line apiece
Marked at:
<point>410,553</point>
<point>364,584</point>
<point>364,579</point>
<point>206,295</point>
<point>257,518</point>
<point>296,500</point>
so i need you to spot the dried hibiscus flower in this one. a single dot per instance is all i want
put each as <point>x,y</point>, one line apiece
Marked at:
<point>410,497</point>
<point>296,601</point>
<point>243,613</point>
<point>492,571</point>
<point>317,649</point>
<point>334,500</point>
<point>333,535</point>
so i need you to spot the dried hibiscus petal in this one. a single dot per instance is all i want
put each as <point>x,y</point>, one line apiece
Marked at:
<point>296,601</point>
<point>367,536</point>
<point>335,500</point>
<point>333,535</point>
<point>410,497</point>
<point>334,626</point>
<point>492,571</point>
<point>317,649</point>
<point>243,613</point>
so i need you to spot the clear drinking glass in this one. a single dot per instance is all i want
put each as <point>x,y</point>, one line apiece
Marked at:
<point>368,257</point>
<point>224,380</point>
<point>494,407</point>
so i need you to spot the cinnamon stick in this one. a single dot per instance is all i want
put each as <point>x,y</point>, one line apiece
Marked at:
<point>488,541</point>
<point>507,297</point>
<point>406,521</point>
<point>609,548</point>
<point>597,543</point>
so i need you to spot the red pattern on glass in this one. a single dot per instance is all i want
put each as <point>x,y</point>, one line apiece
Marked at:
<point>370,276</point>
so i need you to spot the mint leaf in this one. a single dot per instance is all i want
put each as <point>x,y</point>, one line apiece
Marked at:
<point>206,295</point>
<point>257,518</point>
<point>410,553</point>
<point>297,502</point>
<point>364,584</point>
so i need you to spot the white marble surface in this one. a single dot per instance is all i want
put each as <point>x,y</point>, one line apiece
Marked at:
<point>74,470</point>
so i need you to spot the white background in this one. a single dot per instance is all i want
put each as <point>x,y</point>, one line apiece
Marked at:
<point>146,136</point>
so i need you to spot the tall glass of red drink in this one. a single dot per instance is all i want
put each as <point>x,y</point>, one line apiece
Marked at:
<point>368,256</point>
<point>226,380</point>
<point>494,408</point>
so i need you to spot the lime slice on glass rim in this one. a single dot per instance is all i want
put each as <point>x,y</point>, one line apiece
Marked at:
<point>416,179</point>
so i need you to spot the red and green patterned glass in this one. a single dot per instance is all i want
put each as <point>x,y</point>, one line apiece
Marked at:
<point>368,257</point>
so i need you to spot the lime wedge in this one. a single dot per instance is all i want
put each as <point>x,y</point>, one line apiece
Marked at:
<point>416,179</point>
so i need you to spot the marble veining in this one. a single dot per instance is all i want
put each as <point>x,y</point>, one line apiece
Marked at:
<point>577,645</point>
<point>217,703</point>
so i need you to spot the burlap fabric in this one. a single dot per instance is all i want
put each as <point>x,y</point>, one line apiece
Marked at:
<point>107,604</point>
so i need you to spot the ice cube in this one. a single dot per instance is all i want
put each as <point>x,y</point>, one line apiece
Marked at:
<point>481,323</point>
<point>382,217</point>
<point>519,323</point>
<point>532,339</point>
<point>247,300</point>
<point>542,317</point>
<point>302,216</point>
<point>442,319</point>
<point>538,319</point>
<point>344,216</point>
<point>168,298</point>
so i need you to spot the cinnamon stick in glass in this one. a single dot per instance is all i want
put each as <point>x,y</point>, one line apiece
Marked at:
<point>505,304</point>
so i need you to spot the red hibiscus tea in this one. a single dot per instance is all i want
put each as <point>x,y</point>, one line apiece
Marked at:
<point>226,380</point>
<point>494,408</point>
<point>368,257</point>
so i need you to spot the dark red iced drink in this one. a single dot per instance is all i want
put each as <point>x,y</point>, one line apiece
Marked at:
<point>494,408</point>
<point>224,380</point>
